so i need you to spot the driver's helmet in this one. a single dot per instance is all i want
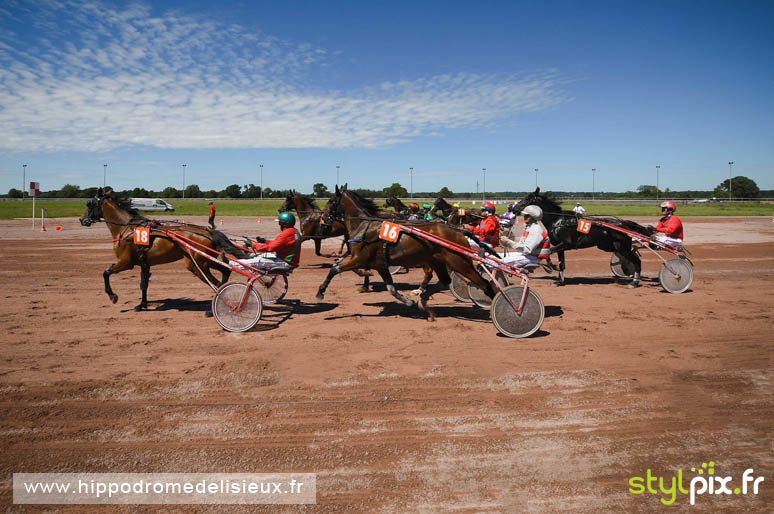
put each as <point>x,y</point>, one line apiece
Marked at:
<point>510,206</point>
<point>489,207</point>
<point>533,211</point>
<point>286,218</point>
<point>455,204</point>
<point>414,207</point>
<point>669,204</point>
<point>427,206</point>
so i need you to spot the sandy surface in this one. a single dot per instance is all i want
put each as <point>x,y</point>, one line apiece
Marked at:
<point>394,413</point>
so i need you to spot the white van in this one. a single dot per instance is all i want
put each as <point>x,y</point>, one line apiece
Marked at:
<point>151,204</point>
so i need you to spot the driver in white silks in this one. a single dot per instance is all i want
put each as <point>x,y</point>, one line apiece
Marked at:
<point>282,252</point>
<point>533,245</point>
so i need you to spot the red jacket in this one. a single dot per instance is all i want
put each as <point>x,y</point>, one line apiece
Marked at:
<point>489,230</point>
<point>287,246</point>
<point>212,210</point>
<point>671,227</point>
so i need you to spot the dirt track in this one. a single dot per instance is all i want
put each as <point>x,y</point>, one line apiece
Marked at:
<point>392,412</point>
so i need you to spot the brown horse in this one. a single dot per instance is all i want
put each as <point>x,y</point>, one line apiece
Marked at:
<point>309,221</point>
<point>450,213</point>
<point>399,207</point>
<point>122,220</point>
<point>368,251</point>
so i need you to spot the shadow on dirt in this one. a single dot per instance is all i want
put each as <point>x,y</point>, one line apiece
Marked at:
<point>466,312</point>
<point>276,314</point>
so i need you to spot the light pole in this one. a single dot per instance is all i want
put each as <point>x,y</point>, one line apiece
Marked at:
<point>657,170</point>
<point>337,175</point>
<point>730,163</point>
<point>184,165</point>
<point>24,178</point>
<point>412,182</point>
<point>536,170</point>
<point>593,173</point>
<point>104,175</point>
<point>261,165</point>
<point>483,193</point>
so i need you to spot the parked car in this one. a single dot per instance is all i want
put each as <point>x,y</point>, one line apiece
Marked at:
<point>152,204</point>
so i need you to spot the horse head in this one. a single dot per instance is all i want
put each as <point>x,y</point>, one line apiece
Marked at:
<point>288,204</point>
<point>93,212</point>
<point>443,206</point>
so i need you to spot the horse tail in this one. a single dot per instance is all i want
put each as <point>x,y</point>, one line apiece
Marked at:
<point>223,244</point>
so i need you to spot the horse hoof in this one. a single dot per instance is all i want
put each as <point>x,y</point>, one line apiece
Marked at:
<point>207,314</point>
<point>633,285</point>
<point>319,298</point>
<point>362,289</point>
<point>113,298</point>
<point>140,307</point>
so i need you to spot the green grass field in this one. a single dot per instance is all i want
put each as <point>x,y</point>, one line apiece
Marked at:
<point>76,208</point>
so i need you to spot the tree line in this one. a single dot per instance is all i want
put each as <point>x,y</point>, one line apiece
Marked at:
<point>741,187</point>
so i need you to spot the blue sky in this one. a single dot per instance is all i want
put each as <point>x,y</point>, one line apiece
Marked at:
<point>447,88</point>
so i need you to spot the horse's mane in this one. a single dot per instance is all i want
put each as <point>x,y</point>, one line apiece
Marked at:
<point>309,200</point>
<point>123,202</point>
<point>551,201</point>
<point>366,204</point>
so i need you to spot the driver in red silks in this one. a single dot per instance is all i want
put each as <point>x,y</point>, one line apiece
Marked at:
<point>669,229</point>
<point>488,230</point>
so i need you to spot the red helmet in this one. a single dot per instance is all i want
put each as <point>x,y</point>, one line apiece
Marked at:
<point>488,207</point>
<point>669,204</point>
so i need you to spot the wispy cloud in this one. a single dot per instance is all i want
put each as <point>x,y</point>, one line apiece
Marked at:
<point>96,77</point>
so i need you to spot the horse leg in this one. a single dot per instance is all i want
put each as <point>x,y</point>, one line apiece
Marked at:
<point>442,285</point>
<point>561,268</point>
<point>426,280</point>
<point>121,265</point>
<point>349,264</point>
<point>225,271</point>
<point>635,259</point>
<point>144,279</point>
<point>628,256</point>
<point>385,274</point>
<point>317,246</point>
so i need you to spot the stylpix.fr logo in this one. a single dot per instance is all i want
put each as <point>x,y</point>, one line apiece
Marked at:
<point>705,482</point>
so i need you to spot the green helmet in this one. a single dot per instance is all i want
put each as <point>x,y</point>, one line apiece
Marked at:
<point>286,218</point>
<point>426,206</point>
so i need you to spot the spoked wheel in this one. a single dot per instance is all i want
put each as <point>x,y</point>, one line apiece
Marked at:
<point>480,298</point>
<point>509,322</point>
<point>227,310</point>
<point>618,267</point>
<point>272,287</point>
<point>676,275</point>
<point>459,288</point>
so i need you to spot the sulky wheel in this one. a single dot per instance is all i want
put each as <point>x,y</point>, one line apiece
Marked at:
<point>480,298</point>
<point>459,288</point>
<point>676,275</point>
<point>227,311</point>
<point>618,268</point>
<point>272,287</point>
<point>508,321</point>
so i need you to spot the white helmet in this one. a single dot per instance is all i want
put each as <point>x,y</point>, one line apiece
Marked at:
<point>534,212</point>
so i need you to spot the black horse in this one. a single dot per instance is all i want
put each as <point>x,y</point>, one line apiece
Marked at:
<point>562,228</point>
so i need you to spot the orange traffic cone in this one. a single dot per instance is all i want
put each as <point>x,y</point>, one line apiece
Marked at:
<point>58,228</point>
